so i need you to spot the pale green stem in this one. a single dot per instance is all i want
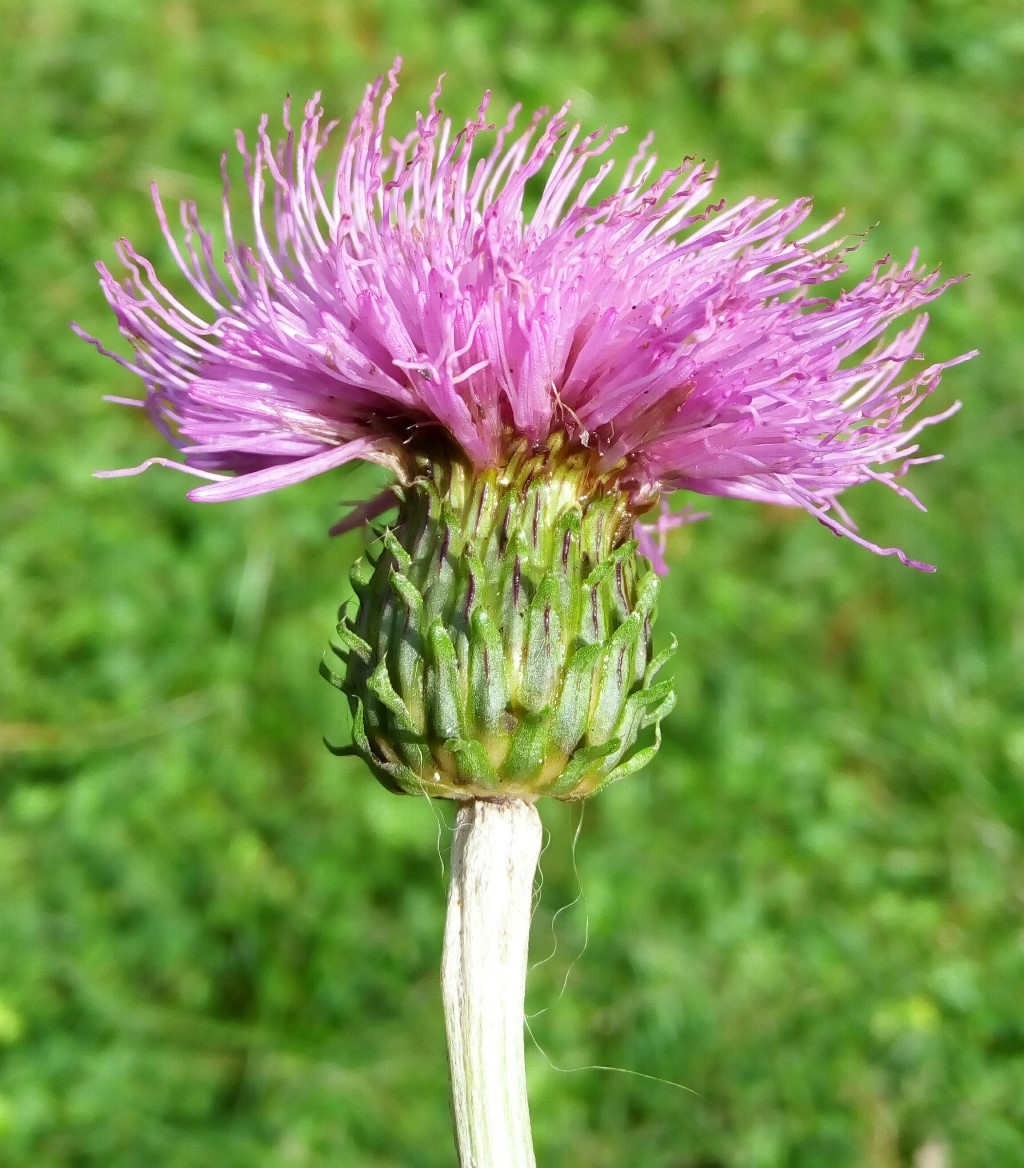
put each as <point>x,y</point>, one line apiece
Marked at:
<point>483,979</point>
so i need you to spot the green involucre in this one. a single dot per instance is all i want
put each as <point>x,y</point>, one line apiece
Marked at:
<point>501,646</point>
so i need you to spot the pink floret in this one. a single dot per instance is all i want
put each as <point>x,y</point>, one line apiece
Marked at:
<point>413,285</point>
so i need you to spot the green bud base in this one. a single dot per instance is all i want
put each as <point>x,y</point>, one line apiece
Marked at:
<point>501,643</point>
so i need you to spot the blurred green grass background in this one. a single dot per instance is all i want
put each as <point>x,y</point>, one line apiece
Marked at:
<point>219,945</point>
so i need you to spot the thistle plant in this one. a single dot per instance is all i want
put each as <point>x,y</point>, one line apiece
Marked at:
<point>540,352</point>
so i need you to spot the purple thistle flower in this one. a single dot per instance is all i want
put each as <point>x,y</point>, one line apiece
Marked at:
<point>410,296</point>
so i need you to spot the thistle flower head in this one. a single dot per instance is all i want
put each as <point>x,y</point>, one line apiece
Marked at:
<point>539,351</point>
<point>421,294</point>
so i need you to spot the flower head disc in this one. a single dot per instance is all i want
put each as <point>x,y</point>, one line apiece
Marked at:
<point>411,296</point>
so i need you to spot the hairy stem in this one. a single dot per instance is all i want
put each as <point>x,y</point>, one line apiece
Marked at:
<point>483,979</point>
